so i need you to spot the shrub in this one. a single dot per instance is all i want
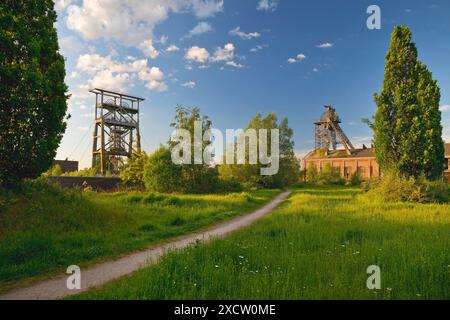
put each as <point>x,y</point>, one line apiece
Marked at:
<point>329,176</point>
<point>355,179</point>
<point>394,187</point>
<point>311,174</point>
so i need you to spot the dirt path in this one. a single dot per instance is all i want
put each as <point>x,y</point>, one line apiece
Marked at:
<point>102,273</point>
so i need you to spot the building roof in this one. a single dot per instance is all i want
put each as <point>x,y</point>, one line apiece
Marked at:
<point>447,150</point>
<point>339,154</point>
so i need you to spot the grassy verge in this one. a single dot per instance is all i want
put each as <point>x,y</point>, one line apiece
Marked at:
<point>44,229</point>
<point>318,245</point>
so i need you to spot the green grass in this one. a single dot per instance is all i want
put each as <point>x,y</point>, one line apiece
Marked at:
<point>44,229</point>
<point>317,245</point>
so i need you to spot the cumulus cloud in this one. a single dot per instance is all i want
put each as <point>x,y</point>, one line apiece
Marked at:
<point>243,35</point>
<point>325,45</point>
<point>60,5</point>
<point>445,108</point>
<point>206,8</point>
<point>197,54</point>
<point>131,22</point>
<point>224,54</point>
<point>298,58</point>
<point>200,28</point>
<point>70,45</point>
<point>107,73</point>
<point>148,49</point>
<point>267,5</point>
<point>172,48</point>
<point>189,84</point>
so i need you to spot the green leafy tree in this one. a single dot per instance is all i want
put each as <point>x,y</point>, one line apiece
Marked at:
<point>133,173</point>
<point>161,174</point>
<point>196,178</point>
<point>407,126</point>
<point>249,174</point>
<point>33,100</point>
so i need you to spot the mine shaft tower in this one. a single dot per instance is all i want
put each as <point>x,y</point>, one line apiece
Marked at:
<point>116,131</point>
<point>329,133</point>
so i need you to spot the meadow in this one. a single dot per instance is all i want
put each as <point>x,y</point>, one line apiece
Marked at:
<point>317,245</point>
<point>44,229</point>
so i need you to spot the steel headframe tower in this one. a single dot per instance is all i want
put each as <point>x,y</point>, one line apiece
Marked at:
<point>329,132</point>
<point>116,132</point>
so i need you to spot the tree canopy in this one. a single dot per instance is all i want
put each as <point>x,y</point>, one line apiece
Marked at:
<point>407,126</point>
<point>33,100</point>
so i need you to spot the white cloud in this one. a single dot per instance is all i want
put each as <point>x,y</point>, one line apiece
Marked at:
<point>315,70</point>
<point>234,64</point>
<point>197,54</point>
<point>70,45</point>
<point>157,86</point>
<point>172,48</point>
<point>259,47</point>
<point>267,5</point>
<point>163,39</point>
<point>298,58</point>
<point>108,73</point>
<point>200,28</point>
<point>445,108</point>
<point>224,54</point>
<point>206,8</point>
<point>325,45</point>
<point>243,35</point>
<point>148,49</point>
<point>131,22</point>
<point>152,74</point>
<point>189,84</point>
<point>60,5</point>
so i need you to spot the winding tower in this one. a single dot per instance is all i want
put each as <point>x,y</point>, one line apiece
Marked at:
<point>116,131</point>
<point>328,132</point>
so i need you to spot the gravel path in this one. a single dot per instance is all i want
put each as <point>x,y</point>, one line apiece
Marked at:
<point>102,273</point>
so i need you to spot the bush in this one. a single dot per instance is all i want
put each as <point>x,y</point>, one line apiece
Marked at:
<point>355,179</point>
<point>394,187</point>
<point>329,176</point>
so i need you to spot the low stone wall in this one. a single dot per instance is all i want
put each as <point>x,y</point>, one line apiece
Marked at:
<point>96,183</point>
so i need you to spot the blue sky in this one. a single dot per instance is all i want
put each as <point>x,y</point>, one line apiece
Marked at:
<point>233,58</point>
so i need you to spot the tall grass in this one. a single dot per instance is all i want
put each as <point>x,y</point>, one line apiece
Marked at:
<point>318,245</point>
<point>44,229</point>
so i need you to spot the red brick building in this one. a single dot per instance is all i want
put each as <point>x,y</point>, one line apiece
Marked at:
<point>361,160</point>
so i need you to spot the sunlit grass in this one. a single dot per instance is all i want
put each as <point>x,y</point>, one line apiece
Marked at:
<point>45,229</point>
<point>318,245</point>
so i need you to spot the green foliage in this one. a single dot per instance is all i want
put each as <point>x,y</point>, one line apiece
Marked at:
<point>249,175</point>
<point>44,228</point>
<point>317,245</point>
<point>161,174</point>
<point>54,171</point>
<point>355,179</point>
<point>312,174</point>
<point>133,174</point>
<point>407,126</point>
<point>395,187</point>
<point>32,89</point>
<point>195,178</point>
<point>329,176</point>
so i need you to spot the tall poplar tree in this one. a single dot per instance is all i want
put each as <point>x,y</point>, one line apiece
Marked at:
<point>407,127</point>
<point>33,99</point>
